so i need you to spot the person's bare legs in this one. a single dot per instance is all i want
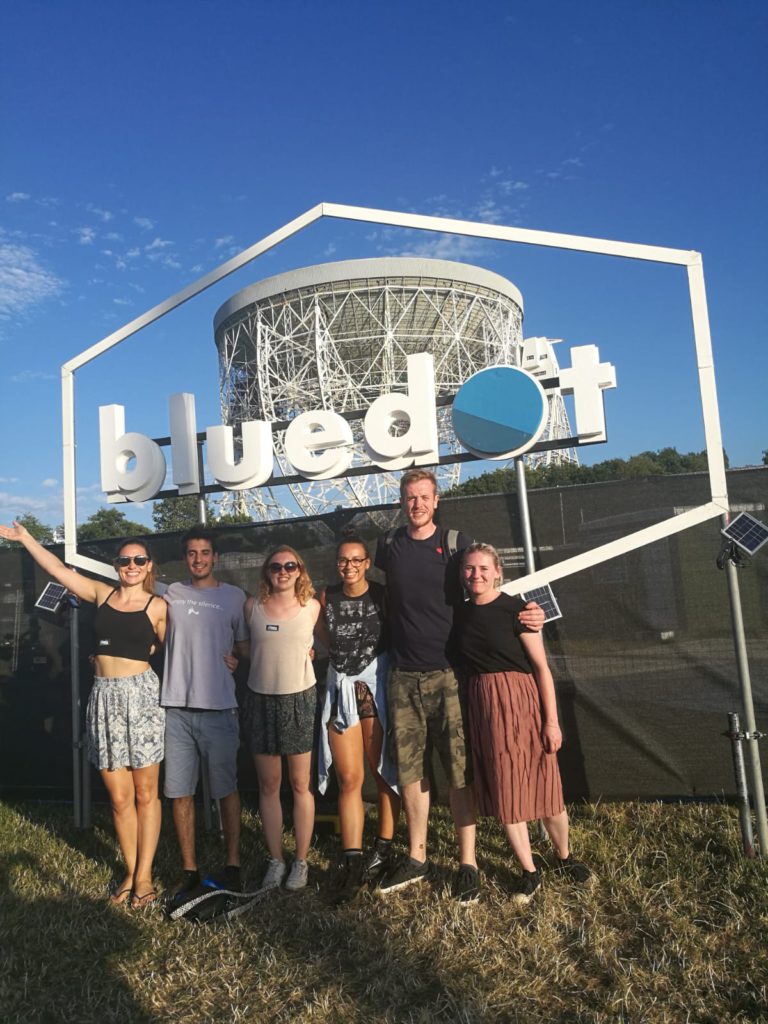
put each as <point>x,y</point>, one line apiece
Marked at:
<point>463,811</point>
<point>122,798</point>
<point>557,828</point>
<point>347,750</point>
<point>269,768</point>
<point>520,841</point>
<point>299,768</point>
<point>230,823</point>
<point>184,822</point>
<point>388,801</point>
<point>415,797</point>
<point>148,819</point>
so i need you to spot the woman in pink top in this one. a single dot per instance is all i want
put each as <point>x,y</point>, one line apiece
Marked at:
<point>280,706</point>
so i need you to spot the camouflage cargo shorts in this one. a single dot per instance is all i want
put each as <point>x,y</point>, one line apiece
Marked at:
<point>425,712</point>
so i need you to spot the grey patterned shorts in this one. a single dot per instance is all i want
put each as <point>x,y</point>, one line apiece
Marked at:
<point>126,725</point>
<point>280,723</point>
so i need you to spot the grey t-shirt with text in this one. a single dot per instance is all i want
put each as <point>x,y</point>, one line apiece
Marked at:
<point>204,623</point>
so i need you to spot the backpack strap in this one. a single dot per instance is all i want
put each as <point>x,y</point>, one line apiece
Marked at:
<point>451,542</point>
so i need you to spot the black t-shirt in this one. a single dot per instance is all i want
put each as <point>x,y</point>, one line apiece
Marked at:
<point>423,590</point>
<point>355,626</point>
<point>488,636</point>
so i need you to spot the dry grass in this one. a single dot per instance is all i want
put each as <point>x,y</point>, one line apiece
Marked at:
<point>674,930</point>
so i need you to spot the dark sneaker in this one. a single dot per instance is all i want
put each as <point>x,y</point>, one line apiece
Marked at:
<point>189,880</point>
<point>407,872</point>
<point>378,861</point>
<point>350,883</point>
<point>466,887</point>
<point>528,883</point>
<point>573,870</point>
<point>232,880</point>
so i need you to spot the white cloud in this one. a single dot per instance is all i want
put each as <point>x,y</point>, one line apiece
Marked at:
<point>50,481</point>
<point>442,247</point>
<point>24,282</point>
<point>17,197</point>
<point>219,243</point>
<point>113,236</point>
<point>27,376</point>
<point>122,302</point>
<point>86,235</point>
<point>104,215</point>
<point>157,243</point>
<point>144,223</point>
<point>9,479</point>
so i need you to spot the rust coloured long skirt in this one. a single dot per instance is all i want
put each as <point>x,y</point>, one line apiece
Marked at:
<point>515,779</point>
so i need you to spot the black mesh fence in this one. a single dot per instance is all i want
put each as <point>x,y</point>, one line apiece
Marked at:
<point>643,657</point>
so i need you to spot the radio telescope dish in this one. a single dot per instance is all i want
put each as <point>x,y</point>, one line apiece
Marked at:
<point>337,335</point>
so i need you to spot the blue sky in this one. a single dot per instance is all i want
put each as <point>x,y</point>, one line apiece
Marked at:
<point>145,143</point>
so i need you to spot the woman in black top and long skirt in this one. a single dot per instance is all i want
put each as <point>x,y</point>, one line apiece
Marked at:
<point>513,724</point>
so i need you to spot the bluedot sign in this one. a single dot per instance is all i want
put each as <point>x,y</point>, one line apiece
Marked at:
<point>498,413</point>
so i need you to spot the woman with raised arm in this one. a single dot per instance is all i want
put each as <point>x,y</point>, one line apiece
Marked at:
<point>125,723</point>
<point>513,725</point>
<point>280,706</point>
<point>354,721</point>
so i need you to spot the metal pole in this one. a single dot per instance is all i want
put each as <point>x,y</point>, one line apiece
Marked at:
<point>74,667</point>
<point>740,645</point>
<point>86,769</point>
<point>525,529</point>
<point>525,518</point>
<point>745,818</point>
<point>201,509</point>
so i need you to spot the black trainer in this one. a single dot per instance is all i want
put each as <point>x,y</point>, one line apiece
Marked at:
<point>232,880</point>
<point>573,869</point>
<point>187,881</point>
<point>407,872</point>
<point>378,861</point>
<point>350,882</point>
<point>528,883</point>
<point>466,887</point>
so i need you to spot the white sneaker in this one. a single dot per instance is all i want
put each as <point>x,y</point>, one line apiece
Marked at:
<point>297,879</point>
<point>274,875</point>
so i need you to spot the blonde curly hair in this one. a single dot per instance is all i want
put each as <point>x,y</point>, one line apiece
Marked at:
<point>304,589</point>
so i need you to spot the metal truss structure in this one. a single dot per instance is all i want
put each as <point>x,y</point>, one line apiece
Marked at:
<point>337,336</point>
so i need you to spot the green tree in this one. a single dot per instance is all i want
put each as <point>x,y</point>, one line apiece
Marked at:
<point>765,457</point>
<point>644,464</point>
<point>108,523</point>
<point>38,530</point>
<point>172,515</point>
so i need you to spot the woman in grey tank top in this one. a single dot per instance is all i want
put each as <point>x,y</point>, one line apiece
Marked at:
<point>280,705</point>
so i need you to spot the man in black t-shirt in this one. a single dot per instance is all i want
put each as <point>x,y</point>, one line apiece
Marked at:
<point>423,589</point>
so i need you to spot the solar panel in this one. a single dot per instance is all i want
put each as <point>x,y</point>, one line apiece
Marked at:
<point>746,531</point>
<point>52,597</point>
<point>543,596</point>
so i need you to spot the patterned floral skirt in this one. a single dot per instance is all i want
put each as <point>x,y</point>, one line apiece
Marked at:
<point>280,723</point>
<point>126,725</point>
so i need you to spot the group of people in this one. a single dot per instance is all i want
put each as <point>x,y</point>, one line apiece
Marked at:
<point>437,659</point>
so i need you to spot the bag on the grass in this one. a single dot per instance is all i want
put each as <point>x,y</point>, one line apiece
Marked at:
<point>209,901</point>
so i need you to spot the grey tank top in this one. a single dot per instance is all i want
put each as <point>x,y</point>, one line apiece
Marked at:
<point>280,661</point>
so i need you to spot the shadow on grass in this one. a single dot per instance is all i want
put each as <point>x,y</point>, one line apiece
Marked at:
<point>62,953</point>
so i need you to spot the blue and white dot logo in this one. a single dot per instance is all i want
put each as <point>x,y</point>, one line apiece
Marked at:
<point>499,412</point>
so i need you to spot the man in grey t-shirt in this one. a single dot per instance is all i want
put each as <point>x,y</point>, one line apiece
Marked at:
<point>206,635</point>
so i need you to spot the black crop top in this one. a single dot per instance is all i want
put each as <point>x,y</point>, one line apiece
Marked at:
<point>124,634</point>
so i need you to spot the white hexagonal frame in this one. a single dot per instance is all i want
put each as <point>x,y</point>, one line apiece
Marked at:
<point>718,503</point>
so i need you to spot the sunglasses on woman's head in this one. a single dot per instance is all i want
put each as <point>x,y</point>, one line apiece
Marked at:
<point>124,560</point>
<point>276,567</point>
